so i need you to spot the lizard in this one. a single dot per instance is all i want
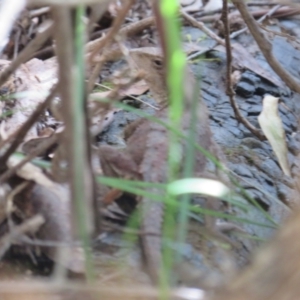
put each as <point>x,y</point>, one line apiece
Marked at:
<point>146,153</point>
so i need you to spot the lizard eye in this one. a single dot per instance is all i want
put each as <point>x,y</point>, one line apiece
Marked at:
<point>158,63</point>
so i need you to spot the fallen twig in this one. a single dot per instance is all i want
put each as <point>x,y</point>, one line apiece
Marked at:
<point>127,30</point>
<point>260,20</point>
<point>229,90</point>
<point>30,225</point>
<point>202,27</point>
<point>266,47</point>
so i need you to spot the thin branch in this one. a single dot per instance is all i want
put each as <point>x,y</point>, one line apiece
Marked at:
<point>127,30</point>
<point>260,20</point>
<point>266,47</point>
<point>229,90</point>
<point>202,27</point>
<point>31,225</point>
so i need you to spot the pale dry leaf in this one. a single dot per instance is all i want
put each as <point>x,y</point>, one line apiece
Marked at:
<point>99,95</point>
<point>136,89</point>
<point>272,127</point>
<point>34,173</point>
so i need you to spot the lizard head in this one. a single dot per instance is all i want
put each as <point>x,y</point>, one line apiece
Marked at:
<point>150,61</point>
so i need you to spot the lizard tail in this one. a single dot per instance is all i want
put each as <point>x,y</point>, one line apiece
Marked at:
<point>151,237</point>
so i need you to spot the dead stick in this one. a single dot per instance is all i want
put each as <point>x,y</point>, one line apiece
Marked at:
<point>266,47</point>
<point>229,90</point>
<point>202,27</point>
<point>31,225</point>
<point>127,30</point>
<point>260,20</point>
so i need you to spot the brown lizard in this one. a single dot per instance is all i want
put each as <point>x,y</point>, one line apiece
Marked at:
<point>147,148</point>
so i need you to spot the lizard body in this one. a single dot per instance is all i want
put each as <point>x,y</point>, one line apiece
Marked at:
<point>147,147</point>
<point>152,156</point>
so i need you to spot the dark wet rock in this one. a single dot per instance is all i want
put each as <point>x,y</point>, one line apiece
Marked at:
<point>256,99</point>
<point>211,95</point>
<point>292,26</point>
<point>241,170</point>
<point>235,131</point>
<point>252,143</point>
<point>114,133</point>
<point>250,77</point>
<point>294,145</point>
<point>245,89</point>
<point>259,155</point>
<point>288,119</point>
<point>265,88</point>
<point>270,167</point>
<point>254,110</point>
<point>284,193</point>
<point>231,121</point>
<point>244,107</point>
<point>253,120</point>
<point>226,112</point>
<point>287,128</point>
<point>221,133</point>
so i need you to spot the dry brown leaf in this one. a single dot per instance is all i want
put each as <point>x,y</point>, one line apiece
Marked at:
<point>33,81</point>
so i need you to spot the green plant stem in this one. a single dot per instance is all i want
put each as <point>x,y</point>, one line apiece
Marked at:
<point>79,125</point>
